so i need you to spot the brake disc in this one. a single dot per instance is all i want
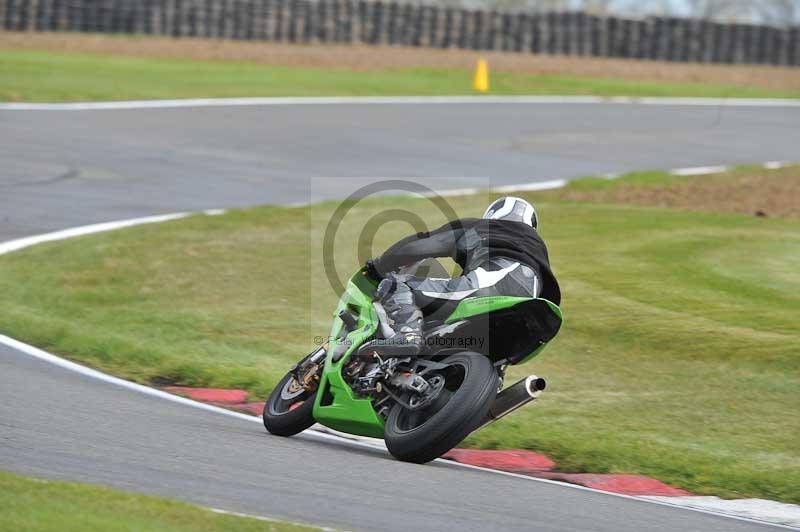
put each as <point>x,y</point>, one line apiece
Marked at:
<point>292,390</point>
<point>435,386</point>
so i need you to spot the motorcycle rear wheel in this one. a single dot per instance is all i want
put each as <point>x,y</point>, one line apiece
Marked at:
<point>424,435</point>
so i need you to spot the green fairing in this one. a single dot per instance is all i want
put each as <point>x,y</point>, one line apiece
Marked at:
<point>557,311</point>
<point>475,306</point>
<point>347,413</point>
<point>342,410</point>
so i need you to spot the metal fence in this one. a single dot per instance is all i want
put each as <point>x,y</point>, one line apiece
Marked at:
<point>392,23</point>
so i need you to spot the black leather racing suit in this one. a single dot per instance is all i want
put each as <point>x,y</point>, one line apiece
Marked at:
<point>498,257</point>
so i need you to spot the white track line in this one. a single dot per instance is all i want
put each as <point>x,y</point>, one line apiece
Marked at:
<point>447,193</point>
<point>772,511</point>
<point>14,245</point>
<point>698,170</point>
<point>272,520</point>
<point>94,374</point>
<point>531,187</point>
<point>399,100</point>
<point>748,514</point>
<point>560,183</point>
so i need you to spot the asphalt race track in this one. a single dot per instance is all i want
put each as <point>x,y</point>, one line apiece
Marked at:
<point>63,169</point>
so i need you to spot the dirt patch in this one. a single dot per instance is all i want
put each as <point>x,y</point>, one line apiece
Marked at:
<point>769,193</point>
<point>382,58</point>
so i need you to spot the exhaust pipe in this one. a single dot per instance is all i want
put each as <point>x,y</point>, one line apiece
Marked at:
<point>514,397</point>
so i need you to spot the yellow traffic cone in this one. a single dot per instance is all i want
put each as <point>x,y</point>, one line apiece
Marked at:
<point>481,82</point>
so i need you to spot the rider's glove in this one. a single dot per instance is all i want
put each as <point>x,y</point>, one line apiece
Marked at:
<point>371,272</point>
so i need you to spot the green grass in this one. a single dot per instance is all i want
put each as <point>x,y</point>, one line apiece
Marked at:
<point>665,179</point>
<point>52,76</point>
<point>29,505</point>
<point>680,358</point>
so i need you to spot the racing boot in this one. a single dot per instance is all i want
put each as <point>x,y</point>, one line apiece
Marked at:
<point>405,318</point>
<point>407,342</point>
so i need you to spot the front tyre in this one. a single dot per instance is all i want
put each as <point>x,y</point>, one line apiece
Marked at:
<point>289,409</point>
<point>420,436</point>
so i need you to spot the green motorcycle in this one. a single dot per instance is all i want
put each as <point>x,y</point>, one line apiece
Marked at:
<point>420,406</point>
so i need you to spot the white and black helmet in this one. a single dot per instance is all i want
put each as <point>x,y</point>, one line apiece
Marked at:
<point>513,209</point>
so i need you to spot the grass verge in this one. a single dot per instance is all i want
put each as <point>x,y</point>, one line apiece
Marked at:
<point>680,358</point>
<point>32,505</point>
<point>57,70</point>
<point>750,190</point>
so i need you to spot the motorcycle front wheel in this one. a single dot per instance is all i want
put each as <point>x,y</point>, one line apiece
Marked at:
<point>419,436</point>
<point>289,409</point>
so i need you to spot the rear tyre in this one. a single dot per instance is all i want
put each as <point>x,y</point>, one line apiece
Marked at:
<point>423,435</point>
<point>289,409</point>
